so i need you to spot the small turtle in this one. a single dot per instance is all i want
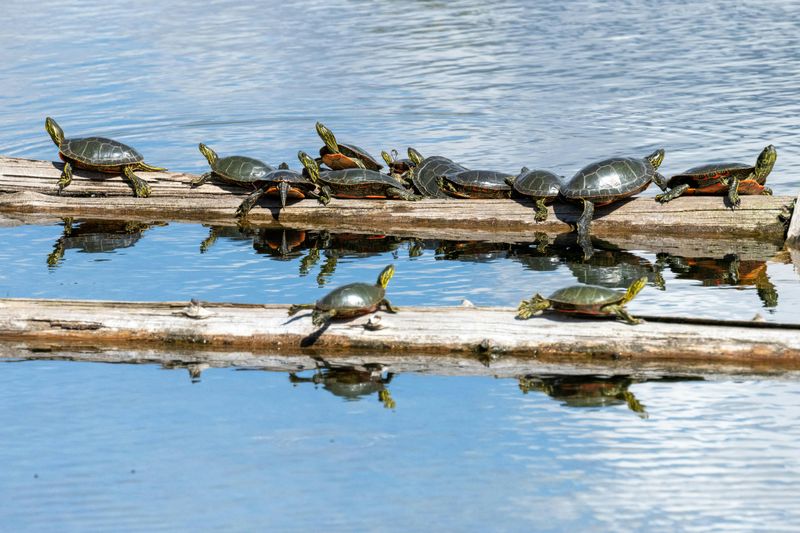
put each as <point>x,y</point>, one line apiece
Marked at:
<point>541,185</point>
<point>238,170</point>
<point>350,300</point>
<point>398,168</point>
<point>353,182</point>
<point>610,180</point>
<point>591,300</point>
<point>428,170</point>
<point>101,155</point>
<point>719,178</point>
<point>285,183</point>
<point>339,156</point>
<point>477,184</point>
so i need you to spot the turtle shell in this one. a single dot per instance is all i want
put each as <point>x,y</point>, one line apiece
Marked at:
<point>587,299</point>
<point>359,183</point>
<point>353,151</point>
<point>537,183</point>
<point>239,169</point>
<point>707,175</point>
<point>356,298</point>
<point>425,177</point>
<point>608,180</point>
<point>97,152</point>
<point>480,184</point>
<point>292,177</point>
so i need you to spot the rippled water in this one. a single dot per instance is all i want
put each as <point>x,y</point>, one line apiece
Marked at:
<point>494,85</point>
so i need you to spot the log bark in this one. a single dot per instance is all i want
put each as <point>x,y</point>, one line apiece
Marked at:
<point>30,186</point>
<point>487,334</point>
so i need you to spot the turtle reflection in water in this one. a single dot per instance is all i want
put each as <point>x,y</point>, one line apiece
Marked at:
<point>728,270</point>
<point>585,391</point>
<point>351,382</point>
<point>97,236</point>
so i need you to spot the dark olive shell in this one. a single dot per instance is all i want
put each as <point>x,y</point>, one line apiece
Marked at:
<point>586,298</point>
<point>351,150</point>
<point>538,184</point>
<point>360,182</point>
<point>99,152</point>
<point>292,177</point>
<point>481,183</point>
<point>240,169</point>
<point>609,180</point>
<point>706,175</point>
<point>352,297</point>
<point>426,176</point>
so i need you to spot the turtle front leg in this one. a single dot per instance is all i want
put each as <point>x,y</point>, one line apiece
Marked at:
<point>767,191</point>
<point>201,180</point>
<point>671,194</point>
<point>660,181</point>
<point>320,317</point>
<point>140,187</point>
<point>402,195</point>
<point>149,168</point>
<point>733,192</point>
<point>250,201</point>
<point>623,314</point>
<point>388,305</point>
<point>541,211</point>
<point>66,177</point>
<point>294,308</point>
<point>324,195</point>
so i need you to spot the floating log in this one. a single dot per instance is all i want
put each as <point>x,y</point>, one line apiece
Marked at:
<point>414,331</point>
<point>30,186</point>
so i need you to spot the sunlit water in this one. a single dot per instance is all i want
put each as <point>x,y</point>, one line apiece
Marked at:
<point>494,85</point>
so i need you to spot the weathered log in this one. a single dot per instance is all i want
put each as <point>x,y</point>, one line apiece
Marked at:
<point>793,233</point>
<point>486,333</point>
<point>30,186</point>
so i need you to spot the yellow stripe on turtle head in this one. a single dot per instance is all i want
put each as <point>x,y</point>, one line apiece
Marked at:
<point>385,275</point>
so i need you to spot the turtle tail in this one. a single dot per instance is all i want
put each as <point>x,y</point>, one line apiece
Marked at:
<point>283,189</point>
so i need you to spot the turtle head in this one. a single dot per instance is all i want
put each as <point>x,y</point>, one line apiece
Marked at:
<point>385,275</point>
<point>386,157</point>
<point>284,166</point>
<point>633,290</point>
<point>210,154</point>
<point>328,138</point>
<point>534,306</point>
<point>55,131</point>
<point>310,165</point>
<point>415,156</point>
<point>765,162</point>
<point>656,158</point>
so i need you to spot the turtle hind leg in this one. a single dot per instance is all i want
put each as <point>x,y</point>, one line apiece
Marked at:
<point>149,168</point>
<point>201,180</point>
<point>671,194</point>
<point>733,192</point>
<point>388,305</point>
<point>541,211</point>
<point>250,201</point>
<point>140,187</point>
<point>66,177</point>
<point>767,191</point>
<point>294,308</point>
<point>320,317</point>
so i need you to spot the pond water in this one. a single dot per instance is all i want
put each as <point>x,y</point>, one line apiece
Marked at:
<point>495,85</point>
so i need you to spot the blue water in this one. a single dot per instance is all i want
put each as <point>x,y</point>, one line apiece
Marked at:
<point>494,85</point>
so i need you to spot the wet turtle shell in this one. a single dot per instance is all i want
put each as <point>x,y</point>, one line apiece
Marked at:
<point>241,170</point>
<point>586,299</point>
<point>355,182</point>
<point>429,170</point>
<point>537,183</point>
<point>478,184</point>
<point>609,180</point>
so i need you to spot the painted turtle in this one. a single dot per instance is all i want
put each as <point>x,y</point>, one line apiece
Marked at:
<point>353,182</point>
<point>234,169</point>
<point>477,184</point>
<point>591,300</point>
<point>610,180</point>
<point>350,300</point>
<point>427,171</point>
<point>719,178</point>
<point>101,155</point>
<point>285,183</point>
<point>398,168</point>
<point>339,156</point>
<point>541,185</point>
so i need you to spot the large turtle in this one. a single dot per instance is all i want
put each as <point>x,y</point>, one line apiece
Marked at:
<point>101,155</point>
<point>350,300</point>
<point>608,181</point>
<point>285,183</point>
<point>353,182</point>
<point>541,185</point>
<point>427,172</point>
<point>339,156</point>
<point>720,178</point>
<point>590,300</point>
<point>477,184</point>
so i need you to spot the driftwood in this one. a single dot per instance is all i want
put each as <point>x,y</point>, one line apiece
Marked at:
<point>255,330</point>
<point>30,186</point>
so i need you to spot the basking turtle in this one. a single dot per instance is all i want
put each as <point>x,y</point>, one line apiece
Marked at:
<point>477,184</point>
<point>101,155</point>
<point>541,185</point>
<point>284,182</point>
<point>238,170</point>
<point>591,300</point>
<point>719,178</point>
<point>608,181</point>
<point>339,156</point>
<point>428,170</point>
<point>353,182</point>
<point>350,300</point>
<point>398,168</point>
